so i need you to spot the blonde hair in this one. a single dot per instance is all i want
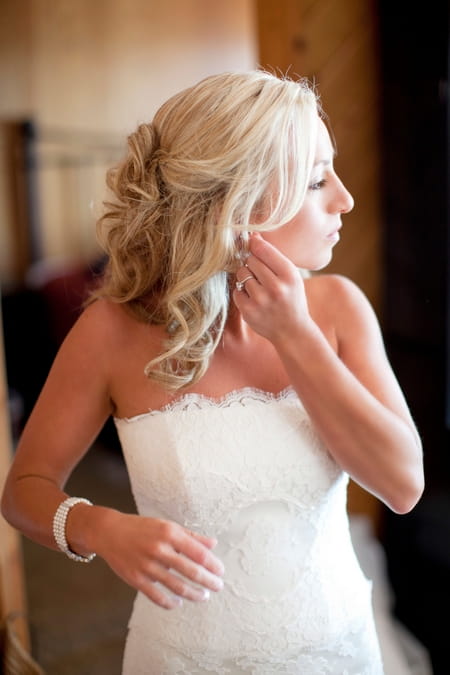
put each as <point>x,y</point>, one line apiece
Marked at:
<point>230,155</point>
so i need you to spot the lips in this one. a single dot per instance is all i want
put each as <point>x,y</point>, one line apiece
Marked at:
<point>334,235</point>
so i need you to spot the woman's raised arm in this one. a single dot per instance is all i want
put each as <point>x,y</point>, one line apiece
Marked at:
<point>352,396</point>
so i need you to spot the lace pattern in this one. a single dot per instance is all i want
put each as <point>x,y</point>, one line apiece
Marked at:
<point>251,470</point>
<point>194,401</point>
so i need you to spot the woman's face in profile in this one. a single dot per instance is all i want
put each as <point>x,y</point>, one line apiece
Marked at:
<point>308,239</point>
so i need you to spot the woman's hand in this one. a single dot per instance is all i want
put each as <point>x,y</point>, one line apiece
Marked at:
<point>162,559</point>
<point>272,300</point>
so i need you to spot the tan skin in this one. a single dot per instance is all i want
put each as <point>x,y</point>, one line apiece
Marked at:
<point>319,335</point>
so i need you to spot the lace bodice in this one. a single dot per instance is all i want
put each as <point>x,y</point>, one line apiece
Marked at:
<point>251,471</point>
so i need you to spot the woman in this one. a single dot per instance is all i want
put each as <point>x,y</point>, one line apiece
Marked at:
<point>244,395</point>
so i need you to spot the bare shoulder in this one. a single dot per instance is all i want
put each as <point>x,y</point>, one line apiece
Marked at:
<point>117,336</point>
<point>323,285</point>
<point>104,316</point>
<point>108,323</point>
<point>338,303</point>
<point>336,293</point>
<point>95,337</point>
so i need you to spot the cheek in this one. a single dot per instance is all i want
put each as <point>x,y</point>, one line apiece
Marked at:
<point>281,238</point>
<point>301,232</point>
<point>287,235</point>
<point>306,218</point>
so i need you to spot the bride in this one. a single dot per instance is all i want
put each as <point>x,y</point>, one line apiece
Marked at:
<point>244,391</point>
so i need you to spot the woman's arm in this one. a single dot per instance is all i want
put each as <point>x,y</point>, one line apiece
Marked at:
<point>352,396</point>
<point>71,409</point>
<point>69,413</point>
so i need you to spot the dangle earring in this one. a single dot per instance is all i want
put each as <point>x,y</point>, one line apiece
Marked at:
<point>242,251</point>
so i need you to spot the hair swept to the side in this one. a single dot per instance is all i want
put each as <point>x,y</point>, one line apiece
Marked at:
<point>225,157</point>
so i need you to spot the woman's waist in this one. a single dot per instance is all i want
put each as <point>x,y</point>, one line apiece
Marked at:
<point>308,615</point>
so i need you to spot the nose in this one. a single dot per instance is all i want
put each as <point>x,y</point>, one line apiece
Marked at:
<point>344,201</point>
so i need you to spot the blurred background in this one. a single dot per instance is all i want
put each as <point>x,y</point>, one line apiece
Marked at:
<point>77,77</point>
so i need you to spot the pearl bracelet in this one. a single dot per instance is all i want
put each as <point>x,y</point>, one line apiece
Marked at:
<point>59,528</point>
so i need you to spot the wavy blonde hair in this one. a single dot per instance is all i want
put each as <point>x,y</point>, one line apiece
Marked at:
<point>230,155</point>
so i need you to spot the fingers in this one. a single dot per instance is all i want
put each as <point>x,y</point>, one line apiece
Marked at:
<point>191,545</point>
<point>269,293</point>
<point>260,271</point>
<point>166,561</point>
<point>187,581</point>
<point>182,563</point>
<point>155,593</point>
<point>266,266</point>
<point>194,572</point>
<point>210,542</point>
<point>190,557</point>
<point>269,255</point>
<point>178,585</point>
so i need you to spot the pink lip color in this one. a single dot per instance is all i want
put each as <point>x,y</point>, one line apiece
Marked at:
<point>334,236</point>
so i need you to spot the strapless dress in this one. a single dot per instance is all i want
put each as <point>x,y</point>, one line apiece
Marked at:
<point>250,470</point>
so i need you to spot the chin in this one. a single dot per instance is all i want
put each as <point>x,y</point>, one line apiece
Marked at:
<point>313,265</point>
<point>320,267</point>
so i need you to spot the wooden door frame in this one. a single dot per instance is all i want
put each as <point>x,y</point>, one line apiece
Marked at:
<point>12,582</point>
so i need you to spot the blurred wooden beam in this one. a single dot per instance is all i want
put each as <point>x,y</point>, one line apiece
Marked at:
<point>12,584</point>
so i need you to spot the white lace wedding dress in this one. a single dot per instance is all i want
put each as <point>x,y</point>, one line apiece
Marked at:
<point>251,471</point>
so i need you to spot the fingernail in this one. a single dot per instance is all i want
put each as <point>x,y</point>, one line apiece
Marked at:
<point>218,583</point>
<point>205,595</point>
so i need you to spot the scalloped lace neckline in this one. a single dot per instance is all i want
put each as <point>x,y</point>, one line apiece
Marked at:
<point>195,401</point>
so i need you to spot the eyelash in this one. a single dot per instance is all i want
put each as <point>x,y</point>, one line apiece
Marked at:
<point>318,185</point>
